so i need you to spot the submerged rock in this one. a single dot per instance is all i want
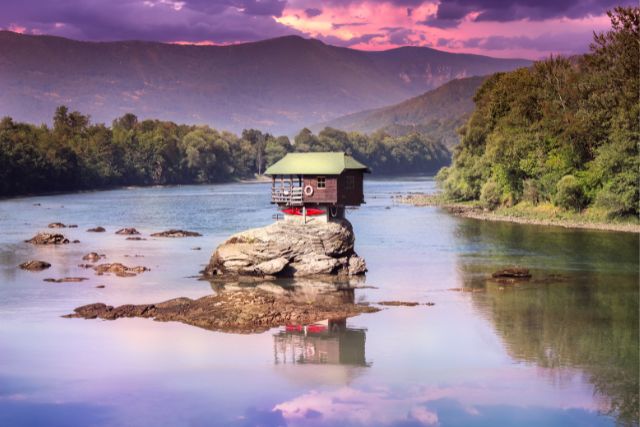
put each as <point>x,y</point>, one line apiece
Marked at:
<point>512,273</point>
<point>246,311</point>
<point>119,270</point>
<point>97,230</point>
<point>34,265</point>
<point>399,303</point>
<point>287,249</point>
<point>128,231</point>
<point>66,279</point>
<point>93,256</point>
<point>135,238</point>
<point>57,225</point>
<point>176,233</point>
<point>48,239</point>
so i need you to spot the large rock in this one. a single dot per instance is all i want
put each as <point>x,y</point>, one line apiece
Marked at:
<point>287,249</point>
<point>48,239</point>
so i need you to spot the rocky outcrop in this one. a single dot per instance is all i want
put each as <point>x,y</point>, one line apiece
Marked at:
<point>176,233</point>
<point>67,280</point>
<point>48,239</point>
<point>512,273</point>
<point>247,311</point>
<point>93,256</point>
<point>34,265</point>
<point>288,249</point>
<point>128,231</point>
<point>119,270</point>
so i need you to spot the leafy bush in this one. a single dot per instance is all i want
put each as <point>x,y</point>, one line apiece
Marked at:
<point>490,195</point>
<point>569,193</point>
<point>531,192</point>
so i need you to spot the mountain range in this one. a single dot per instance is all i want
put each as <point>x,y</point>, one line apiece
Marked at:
<point>438,112</point>
<point>276,85</point>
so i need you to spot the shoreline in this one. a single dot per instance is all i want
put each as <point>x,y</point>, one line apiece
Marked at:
<point>472,211</point>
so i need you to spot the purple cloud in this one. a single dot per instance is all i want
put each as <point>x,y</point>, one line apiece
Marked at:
<point>312,12</point>
<point>451,12</point>
<point>162,20</point>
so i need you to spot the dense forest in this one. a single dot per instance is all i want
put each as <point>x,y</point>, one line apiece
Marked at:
<point>565,131</point>
<point>74,154</point>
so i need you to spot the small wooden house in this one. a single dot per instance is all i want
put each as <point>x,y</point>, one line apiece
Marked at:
<point>316,185</point>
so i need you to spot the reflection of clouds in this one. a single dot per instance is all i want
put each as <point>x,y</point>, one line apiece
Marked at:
<point>428,405</point>
<point>352,406</point>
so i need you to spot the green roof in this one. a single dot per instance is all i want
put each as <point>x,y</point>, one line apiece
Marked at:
<point>315,164</point>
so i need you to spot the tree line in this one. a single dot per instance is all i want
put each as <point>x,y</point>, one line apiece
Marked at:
<point>565,131</point>
<point>74,154</point>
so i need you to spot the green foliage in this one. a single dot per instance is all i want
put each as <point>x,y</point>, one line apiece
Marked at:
<point>569,193</point>
<point>534,127</point>
<point>415,153</point>
<point>76,154</point>
<point>490,195</point>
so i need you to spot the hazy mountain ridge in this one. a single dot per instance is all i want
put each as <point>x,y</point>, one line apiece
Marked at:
<point>278,85</point>
<point>438,112</point>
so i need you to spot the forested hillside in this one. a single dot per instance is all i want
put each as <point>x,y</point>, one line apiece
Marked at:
<point>75,154</point>
<point>438,113</point>
<point>565,131</point>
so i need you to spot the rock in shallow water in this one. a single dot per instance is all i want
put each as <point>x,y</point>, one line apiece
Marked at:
<point>176,233</point>
<point>247,311</point>
<point>287,249</point>
<point>48,239</point>
<point>97,230</point>
<point>129,231</point>
<point>34,265</point>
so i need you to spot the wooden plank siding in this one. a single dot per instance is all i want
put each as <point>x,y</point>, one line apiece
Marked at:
<point>329,194</point>
<point>350,188</point>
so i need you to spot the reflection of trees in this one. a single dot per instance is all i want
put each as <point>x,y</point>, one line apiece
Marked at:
<point>334,343</point>
<point>591,327</point>
<point>587,320</point>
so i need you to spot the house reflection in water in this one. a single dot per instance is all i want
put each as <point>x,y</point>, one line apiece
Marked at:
<point>330,342</point>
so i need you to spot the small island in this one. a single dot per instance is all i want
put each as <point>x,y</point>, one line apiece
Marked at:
<point>311,235</point>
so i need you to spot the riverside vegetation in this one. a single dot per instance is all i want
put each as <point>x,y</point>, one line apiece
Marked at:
<point>560,137</point>
<point>75,154</point>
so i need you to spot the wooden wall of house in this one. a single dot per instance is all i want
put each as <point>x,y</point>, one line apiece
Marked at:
<point>329,194</point>
<point>350,188</point>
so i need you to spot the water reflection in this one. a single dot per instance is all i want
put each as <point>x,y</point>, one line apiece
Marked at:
<point>564,320</point>
<point>331,342</point>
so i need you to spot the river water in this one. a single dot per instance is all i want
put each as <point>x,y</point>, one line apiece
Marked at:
<point>561,350</point>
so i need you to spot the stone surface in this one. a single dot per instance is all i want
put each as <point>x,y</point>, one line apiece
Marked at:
<point>512,273</point>
<point>119,270</point>
<point>97,230</point>
<point>48,239</point>
<point>67,279</point>
<point>288,249</point>
<point>176,233</point>
<point>243,311</point>
<point>93,256</point>
<point>35,265</point>
<point>129,231</point>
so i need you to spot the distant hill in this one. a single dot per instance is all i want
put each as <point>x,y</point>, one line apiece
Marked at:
<point>278,85</point>
<point>438,112</point>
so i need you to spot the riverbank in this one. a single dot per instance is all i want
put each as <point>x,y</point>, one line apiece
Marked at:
<point>523,213</point>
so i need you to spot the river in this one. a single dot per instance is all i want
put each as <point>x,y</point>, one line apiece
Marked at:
<point>561,350</point>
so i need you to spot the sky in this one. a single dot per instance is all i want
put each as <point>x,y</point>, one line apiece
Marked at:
<point>502,28</point>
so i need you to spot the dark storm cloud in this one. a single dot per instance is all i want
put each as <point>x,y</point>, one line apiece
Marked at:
<point>163,20</point>
<point>312,12</point>
<point>450,12</point>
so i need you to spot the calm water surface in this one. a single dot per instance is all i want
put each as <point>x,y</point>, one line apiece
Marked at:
<point>562,351</point>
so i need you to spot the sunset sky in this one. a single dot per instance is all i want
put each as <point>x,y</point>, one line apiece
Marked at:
<point>516,28</point>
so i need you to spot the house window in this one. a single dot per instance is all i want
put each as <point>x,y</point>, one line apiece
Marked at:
<point>322,182</point>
